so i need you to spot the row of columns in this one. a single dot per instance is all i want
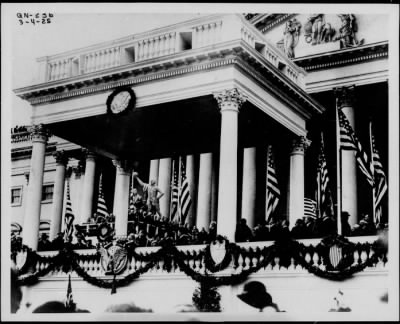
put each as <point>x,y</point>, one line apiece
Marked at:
<point>229,102</point>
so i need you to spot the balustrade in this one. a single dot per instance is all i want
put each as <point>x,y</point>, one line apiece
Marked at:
<point>249,255</point>
<point>156,46</point>
<point>59,69</point>
<point>181,37</point>
<point>102,59</point>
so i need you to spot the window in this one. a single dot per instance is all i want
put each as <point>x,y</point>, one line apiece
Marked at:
<point>16,196</point>
<point>47,193</point>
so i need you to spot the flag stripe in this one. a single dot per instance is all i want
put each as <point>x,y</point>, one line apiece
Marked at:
<point>380,182</point>
<point>310,208</point>
<point>184,195</point>
<point>273,192</point>
<point>349,141</point>
<point>101,202</point>
<point>68,217</point>
<point>175,194</point>
<point>324,196</point>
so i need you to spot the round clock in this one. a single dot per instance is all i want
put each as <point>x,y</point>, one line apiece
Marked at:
<point>120,100</point>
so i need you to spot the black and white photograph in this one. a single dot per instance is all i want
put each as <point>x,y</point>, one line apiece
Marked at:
<point>199,162</point>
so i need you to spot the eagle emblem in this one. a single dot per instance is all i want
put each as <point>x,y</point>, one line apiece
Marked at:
<point>113,259</point>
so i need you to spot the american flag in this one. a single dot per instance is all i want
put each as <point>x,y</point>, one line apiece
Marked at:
<point>184,195</point>
<point>310,208</point>
<point>101,202</point>
<point>69,303</point>
<point>174,193</point>
<point>273,192</point>
<point>68,218</point>
<point>324,196</point>
<point>380,182</point>
<point>131,202</point>
<point>349,141</point>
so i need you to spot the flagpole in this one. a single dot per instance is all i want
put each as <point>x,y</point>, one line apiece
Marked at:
<point>373,171</point>
<point>266,187</point>
<point>338,172</point>
<point>171,191</point>
<point>318,198</point>
<point>179,189</point>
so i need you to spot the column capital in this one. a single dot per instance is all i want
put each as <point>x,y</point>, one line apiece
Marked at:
<point>39,133</point>
<point>61,157</point>
<point>123,166</point>
<point>345,96</point>
<point>300,145</point>
<point>89,155</point>
<point>230,99</point>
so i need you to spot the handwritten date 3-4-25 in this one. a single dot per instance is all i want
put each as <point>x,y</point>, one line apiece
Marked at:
<point>34,18</point>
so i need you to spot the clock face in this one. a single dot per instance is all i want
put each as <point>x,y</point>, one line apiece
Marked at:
<point>120,102</point>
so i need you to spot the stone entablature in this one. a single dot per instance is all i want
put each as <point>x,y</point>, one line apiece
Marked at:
<point>190,35</point>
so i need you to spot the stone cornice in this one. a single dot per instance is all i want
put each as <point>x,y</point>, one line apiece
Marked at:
<point>148,70</point>
<point>230,53</point>
<point>343,57</point>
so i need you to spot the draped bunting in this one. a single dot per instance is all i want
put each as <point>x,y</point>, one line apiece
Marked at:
<point>286,251</point>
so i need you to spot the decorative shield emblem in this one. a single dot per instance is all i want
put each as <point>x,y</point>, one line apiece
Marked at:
<point>335,255</point>
<point>218,251</point>
<point>114,259</point>
<point>21,258</point>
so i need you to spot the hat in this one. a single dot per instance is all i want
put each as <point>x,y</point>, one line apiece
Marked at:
<point>255,294</point>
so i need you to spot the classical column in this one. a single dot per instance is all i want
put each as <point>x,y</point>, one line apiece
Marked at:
<point>58,195</point>
<point>191,177</point>
<point>154,167</point>
<point>88,186</point>
<point>39,136</point>
<point>164,183</point>
<point>296,180</point>
<point>345,101</point>
<point>229,102</point>
<point>249,186</point>
<point>204,192</point>
<point>121,197</point>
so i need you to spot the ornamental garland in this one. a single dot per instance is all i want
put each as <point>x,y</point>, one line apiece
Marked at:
<point>208,260</point>
<point>285,250</point>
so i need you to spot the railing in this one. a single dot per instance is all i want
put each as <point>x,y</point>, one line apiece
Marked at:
<point>102,59</point>
<point>190,35</point>
<point>243,260</point>
<point>157,46</point>
<point>59,69</point>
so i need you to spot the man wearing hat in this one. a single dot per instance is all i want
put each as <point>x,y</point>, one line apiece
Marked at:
<point>255,294</point>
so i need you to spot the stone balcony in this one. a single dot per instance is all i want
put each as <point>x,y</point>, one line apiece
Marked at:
<point>169,282</point>
<point>243,260</point>
<point>200,33</point>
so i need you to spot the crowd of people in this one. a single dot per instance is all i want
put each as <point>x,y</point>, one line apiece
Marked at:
<point>146,228</point>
